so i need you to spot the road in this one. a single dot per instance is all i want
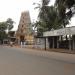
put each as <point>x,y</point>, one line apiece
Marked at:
<point>18,61</point>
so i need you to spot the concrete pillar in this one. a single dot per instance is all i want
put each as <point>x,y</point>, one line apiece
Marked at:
<point>73,44</point>
<point>57,42</point>
<point>53,42</point>
<point>21,44</point>
<point>45,43</point>
<point>69,42</point>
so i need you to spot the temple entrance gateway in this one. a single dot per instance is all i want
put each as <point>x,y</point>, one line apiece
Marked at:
<point>22,38</point>
<point>24,32</point>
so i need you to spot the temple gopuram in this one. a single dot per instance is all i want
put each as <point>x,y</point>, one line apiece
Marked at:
<point>24,32</point>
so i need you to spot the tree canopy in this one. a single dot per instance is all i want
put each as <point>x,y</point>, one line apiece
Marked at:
<point>3,26</point>
<point>66,9</point>
<point>8,24</point>
<point>54,17</point>
<point>48,18</point>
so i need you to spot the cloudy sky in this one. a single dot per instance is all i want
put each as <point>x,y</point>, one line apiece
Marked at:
<point>13,8</point>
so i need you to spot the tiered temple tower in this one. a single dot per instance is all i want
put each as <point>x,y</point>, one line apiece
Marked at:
<point>24,28</point>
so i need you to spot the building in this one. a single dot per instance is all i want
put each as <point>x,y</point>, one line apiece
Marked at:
<point>11,38</point>
<point>61,38</point>
<point>24,32</point>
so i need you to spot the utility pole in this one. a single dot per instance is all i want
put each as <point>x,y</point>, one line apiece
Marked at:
<point>45,43</point>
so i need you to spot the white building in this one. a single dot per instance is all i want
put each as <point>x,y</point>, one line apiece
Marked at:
<point>61,38</point>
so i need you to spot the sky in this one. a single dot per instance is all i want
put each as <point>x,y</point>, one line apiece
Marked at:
<point>14,8</point>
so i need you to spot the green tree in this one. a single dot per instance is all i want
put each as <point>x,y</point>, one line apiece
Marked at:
<point>51,18</point>
<point>3,27</point>
<point>40,27</point>
<point>66,9</point>
<point>40,24</point>
<point>48,18</point>
<point>3,34</point>
<point>54,17</point>
<point>9,23</point>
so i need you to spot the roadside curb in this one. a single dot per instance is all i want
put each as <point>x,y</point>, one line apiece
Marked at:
<point>66,51</point>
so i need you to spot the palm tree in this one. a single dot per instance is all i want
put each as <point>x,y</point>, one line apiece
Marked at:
<point>9,23</point>
<point>48,18</point>
<point>66,9</point>
<point>40,24</point>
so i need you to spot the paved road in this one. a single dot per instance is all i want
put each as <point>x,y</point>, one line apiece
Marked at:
<point>17,61</point>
